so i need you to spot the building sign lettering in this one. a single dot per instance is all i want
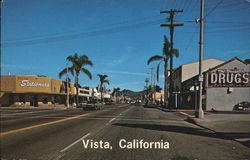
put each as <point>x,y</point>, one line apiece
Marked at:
<point>27,83</point>
<point>228,78</point>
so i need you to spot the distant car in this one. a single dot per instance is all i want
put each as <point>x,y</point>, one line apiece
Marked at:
<point>138,103</point>
<point>150,105</point>
<point>81,105</point>
<point>110,103</point>
<point>242,106</point>
<point>92,106</point>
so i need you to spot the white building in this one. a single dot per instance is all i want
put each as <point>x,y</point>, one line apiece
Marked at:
<point>224,86</point>
<point>187,71</point>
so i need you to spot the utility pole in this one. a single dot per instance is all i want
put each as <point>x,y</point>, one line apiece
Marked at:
<point>200,113</point>
<point>171,27</point>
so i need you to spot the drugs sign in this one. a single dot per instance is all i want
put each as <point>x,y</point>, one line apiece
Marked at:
<point>228,78</point>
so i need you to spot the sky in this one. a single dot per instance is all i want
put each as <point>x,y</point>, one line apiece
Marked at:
<point>118,36</point>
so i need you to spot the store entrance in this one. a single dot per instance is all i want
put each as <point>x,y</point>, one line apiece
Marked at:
<point>34,101</point>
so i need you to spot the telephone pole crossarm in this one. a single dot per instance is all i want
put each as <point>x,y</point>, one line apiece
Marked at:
<point>171,25</point>
<point>171,11</point>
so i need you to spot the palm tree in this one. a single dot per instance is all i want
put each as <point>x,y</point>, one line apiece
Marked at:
<point>115,91</point>
<point>78,64</point>
<point>103,80</point>
<point>166,52</point>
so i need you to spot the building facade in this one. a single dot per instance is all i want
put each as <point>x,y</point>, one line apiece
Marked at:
<point>29,90</point>
<point>224,86</point>
<point>187,71</point>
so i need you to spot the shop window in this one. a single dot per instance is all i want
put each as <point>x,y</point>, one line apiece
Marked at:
<point>53,99</point>
<point>45,100</point>
<point>21,99</point>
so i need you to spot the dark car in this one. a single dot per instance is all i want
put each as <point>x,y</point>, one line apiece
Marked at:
<point>137,103</point>
<point>92,106</point>
<point>242,106</point>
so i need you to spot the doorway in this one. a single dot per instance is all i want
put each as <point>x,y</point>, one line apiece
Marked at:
<point>34,101</point>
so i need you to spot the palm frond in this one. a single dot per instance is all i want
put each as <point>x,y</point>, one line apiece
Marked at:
<point>87,72</point>
<point>102,76</point>
<point>106,81</point>
<point>154,58</point>
<point>72,70</point>
<point>166,46</point>
<point>84,60</point>
<point>175,52</point>
<point>73,58</point>
<point>63,72</point>
<point>157,71</point>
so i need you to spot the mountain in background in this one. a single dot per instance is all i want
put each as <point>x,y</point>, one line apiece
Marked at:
<point>132,94</point>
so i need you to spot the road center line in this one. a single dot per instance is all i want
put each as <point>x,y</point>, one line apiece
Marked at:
<point>113,119</point>
<point>71,145</point>
<point>40,125</point>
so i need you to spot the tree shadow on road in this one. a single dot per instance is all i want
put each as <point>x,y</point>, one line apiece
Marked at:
<point>189,130</point>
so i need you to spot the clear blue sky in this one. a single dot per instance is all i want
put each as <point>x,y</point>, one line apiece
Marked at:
<point>117,35</point>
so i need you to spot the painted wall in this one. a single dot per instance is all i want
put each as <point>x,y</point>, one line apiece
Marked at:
<point>220,99</point>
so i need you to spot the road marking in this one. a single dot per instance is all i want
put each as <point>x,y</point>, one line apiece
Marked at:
<point>71,145</point>
<point>59,157</point>
<point>113,119</point>
<point>40,125</point>
<point>184,113</point>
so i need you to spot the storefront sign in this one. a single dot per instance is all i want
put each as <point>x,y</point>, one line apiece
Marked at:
<point>27,83</point>
<point>228,78</point>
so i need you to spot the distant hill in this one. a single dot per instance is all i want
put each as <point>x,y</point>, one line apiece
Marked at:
<point>132,94</point>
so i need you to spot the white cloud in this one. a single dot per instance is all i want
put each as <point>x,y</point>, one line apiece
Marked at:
<point>13,66</point>
<point>123,72</point>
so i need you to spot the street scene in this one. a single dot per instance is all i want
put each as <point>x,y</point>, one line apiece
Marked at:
<point>125,79</point>
<point>63,140</point>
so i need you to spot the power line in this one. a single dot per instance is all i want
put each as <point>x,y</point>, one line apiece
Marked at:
<point>213,9</point>
<point>75,31</point>
<point>79,35</point>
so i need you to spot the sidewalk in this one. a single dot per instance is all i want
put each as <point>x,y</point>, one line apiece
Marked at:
<point>233,126</point>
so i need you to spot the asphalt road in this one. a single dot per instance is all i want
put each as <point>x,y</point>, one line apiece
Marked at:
<point>59,134</point>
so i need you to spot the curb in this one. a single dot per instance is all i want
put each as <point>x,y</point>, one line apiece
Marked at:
<point>192,120</point>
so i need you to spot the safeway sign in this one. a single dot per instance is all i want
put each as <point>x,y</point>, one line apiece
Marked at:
<point>228,78</point>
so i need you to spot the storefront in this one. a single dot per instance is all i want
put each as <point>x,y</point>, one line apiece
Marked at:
<point>22,90</point>
<point>224,86</point>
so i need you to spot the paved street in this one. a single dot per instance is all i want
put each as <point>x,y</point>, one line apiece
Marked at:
<point>59,134</point>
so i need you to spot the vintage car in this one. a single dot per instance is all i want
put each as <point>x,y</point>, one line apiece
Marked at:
<point>92,105</point>
<point>242,106</point>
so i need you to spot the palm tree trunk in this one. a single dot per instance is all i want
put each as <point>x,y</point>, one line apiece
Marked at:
<point>77,94</point>
<point>101,89</point>
<point>165,83</point>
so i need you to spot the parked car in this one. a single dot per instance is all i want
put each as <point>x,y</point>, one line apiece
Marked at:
<point>110,103</point>
<point>81,105</point>
<point>242,106</point>
<point>92,106</point>
<point>137,103</point>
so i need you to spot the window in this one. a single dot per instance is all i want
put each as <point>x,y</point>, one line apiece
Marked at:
<point>45,100</point>
<point>21,98</point>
